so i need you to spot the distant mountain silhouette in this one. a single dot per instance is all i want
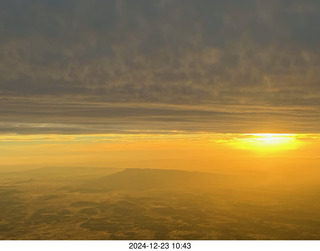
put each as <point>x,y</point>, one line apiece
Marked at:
<point>60,172</point>
<point>134,179</point>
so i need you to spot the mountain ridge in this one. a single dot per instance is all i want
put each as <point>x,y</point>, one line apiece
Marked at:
<point>135,179</point>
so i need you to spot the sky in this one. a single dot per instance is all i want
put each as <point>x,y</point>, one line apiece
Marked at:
<point>80,79</point>
<point>120,66</point>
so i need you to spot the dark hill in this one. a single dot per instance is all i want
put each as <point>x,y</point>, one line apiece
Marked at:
<point>55,172</point>
<point>149,179</point>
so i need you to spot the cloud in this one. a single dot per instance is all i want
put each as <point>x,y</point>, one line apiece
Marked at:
<point>187,53</point>
<point>30,116</point>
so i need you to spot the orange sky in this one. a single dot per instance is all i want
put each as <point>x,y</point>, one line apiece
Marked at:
<point>178,84</point>
<point>227,153</point>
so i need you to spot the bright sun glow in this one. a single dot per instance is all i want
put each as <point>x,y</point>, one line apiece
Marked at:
<point>268,141</point>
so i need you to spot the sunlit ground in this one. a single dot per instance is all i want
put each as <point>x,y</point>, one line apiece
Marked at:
<point>250,186</point>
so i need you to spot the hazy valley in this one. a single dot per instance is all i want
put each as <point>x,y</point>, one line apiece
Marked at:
<point>96,203</point>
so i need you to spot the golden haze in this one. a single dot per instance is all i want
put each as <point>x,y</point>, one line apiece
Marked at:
<point>204,152</point>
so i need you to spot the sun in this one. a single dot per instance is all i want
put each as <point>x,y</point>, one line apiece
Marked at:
<point>268,141</point>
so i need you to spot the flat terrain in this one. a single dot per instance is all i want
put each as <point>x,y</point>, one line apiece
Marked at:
<point>87,203</point>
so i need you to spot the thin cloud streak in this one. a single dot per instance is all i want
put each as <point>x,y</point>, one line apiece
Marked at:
<point>194,66</point>
<point>25,117</point>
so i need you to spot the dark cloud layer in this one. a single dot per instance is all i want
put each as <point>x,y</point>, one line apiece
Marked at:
<point>117,65</point>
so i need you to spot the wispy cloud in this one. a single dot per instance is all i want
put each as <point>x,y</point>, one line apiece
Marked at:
<point>117,65</point>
